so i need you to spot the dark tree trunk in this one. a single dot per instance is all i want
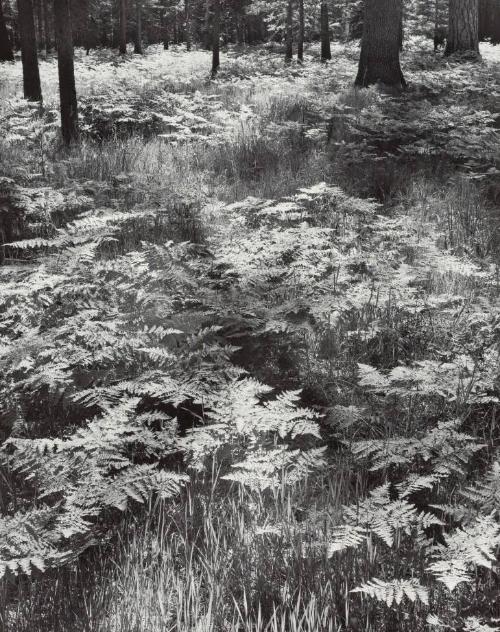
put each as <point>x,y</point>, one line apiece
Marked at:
<point>240,29</point>
<point>47,26</point>
<point>488,22</point>
<point>463,27</point>
<point>289,32</point>
<point>175,33</point>
<point>6,53</point>
<point>88,39</point>
<point>326,52</point>
<point>31,74</point>
<point>123,27</point>
<point>67,90</point>
<point>300,39</point>
<point>379,59</point>
<point>39,25</point>
<point>216,38</point>
<point>207,36</point>
<point>187,27</point>
<point>164,31</point>
<point>138,50</point>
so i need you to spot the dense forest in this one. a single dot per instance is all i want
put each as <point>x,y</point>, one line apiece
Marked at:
<point>249,315</point>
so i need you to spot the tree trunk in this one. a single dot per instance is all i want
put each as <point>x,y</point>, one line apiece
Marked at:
<point>31,74</point>
<point>187,28</point>
<point>206,27</point>
<point>175,33</point>
<point>289,32</point>
<point>379,59</point>
<point>164,31</point>
<point>463,27</point>
<point>138,50</point>
<point>326,52</point>
<point>123,27</point>
<point>39,24</point>
<point>47,26</point>
<point>300,39</point>
<point>216,38</point>
<point>6,53</point>
<point>67,90</point>
<point>87,26</point>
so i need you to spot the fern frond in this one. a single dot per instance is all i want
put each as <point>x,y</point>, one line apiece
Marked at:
<point>394,591</point>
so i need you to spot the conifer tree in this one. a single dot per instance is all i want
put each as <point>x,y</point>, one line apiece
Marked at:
<point>216,38</point>
<point>463,27</point>
<point>6,53</point>
<point>31,74</point>
<point>380,45</point>
<point>325,32</point>
<point>67,90</point>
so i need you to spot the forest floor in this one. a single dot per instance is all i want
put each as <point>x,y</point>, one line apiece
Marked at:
<point>286,292</point>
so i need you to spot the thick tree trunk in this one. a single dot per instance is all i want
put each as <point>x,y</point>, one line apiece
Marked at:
<point>207,36</point>
<point>123,27</point>
<point>6,53</point>
<point>300,39</point>
<point>47,26</point>
<point>289,32</point>
<point>138,50</point>
<point>39,25</point>
<point>379,59</point>
<point>326,52</point>
<point>67,90</point>
<point>489,20</point>
<point>463,27</point>
<point>216,38</point>
<point>31,74</point>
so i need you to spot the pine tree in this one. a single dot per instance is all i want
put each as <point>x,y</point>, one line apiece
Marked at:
<point>379,59</point>
<point>325,33</point>
<point>6,53</point>
<point>138,50</point>
<point>31,73</point>
<point>289,32</point>
<point>123,27</point>
<point>463,27</point>
<point>216,38</point>
<point>300,39</point>
<point>67,90</point>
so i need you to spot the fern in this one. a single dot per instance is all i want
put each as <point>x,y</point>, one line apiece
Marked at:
<point>466,548</point>
<point>395,591</point>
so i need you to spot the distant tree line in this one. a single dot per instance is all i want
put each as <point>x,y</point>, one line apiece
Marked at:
<point>39,26</point>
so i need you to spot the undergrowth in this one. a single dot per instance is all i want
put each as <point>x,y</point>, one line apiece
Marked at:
<point>249,350</point>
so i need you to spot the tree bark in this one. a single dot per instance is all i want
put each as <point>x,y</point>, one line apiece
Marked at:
<point>123,27</point>
<point>206,27</point>
<point>463,27</point>
<point>289,32</point>
<point>164,31</point>
<point>379,59</point>
<point>67,90</point>
<point>39,24</point>
<point>326,52</point>
<point>31,74</point>
<point>187,28</point>
<point>216,38</point>
<point>47,26</point>
<point>6,53</point>
<point>300,39</point>
<point>175,33</point>
<point>138,50</point>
